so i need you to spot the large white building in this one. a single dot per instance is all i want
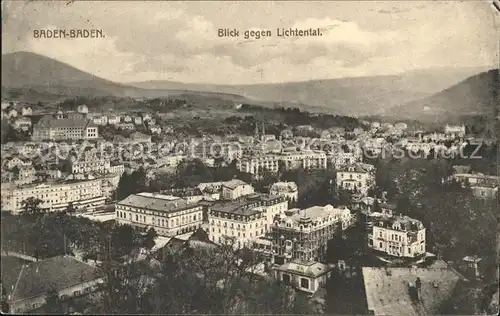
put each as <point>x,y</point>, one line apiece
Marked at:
<point>84,194</point>
<point>303,234</point>
<point>168,215</point>
<point>398,236</point>
<point>50,128</point>
<point>357,178</point>
<point>290,160</point>
<point>241,222</point>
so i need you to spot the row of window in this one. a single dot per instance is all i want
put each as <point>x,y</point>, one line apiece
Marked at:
<point>232,233</point>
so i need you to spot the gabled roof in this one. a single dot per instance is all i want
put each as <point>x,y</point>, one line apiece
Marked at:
<point>306,268</point>
<point>56,273</point>
<point>233,184</point>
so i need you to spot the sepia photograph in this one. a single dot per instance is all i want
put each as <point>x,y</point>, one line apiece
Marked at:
<point>250,157</point>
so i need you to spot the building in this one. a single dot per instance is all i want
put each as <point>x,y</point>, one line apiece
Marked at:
<point>99,119</point>
<point>455,130</point>
<point>408,291</point>
<point>192,195</point>
<point>241,221</point>
<point>90,161</point>
<point>288,190</point>
<point>306,276</point>
<point>22,123</point>
<point>26,175</point>
<point>232,224</point>
<point>168,215</point>
<point>49,128</point>
<point>397,236</point>
<point>303,234</point>
<point>356,178</point>
<point>341,159</point>
<point>256,164</point>
<point>83,194</point>
<point>235,188</point>
<point>83,109</point>
<point>27,285</point>
<point>140,137</point>
<point>482,186</point>
<point>114,119</point>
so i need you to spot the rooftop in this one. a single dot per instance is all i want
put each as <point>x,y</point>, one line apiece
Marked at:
<point>284,187</point>
<point>233,184</point>
<point>155,202</point>
<point>404,223</point>
<point>48,121</point>
<point>307,268</point>
<point>57,273</point>
<point>387,289</point>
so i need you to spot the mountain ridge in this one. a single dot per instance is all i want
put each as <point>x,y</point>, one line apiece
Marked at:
<point>355,96</point>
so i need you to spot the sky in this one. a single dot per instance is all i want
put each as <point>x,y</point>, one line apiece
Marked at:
<point>178,41</point>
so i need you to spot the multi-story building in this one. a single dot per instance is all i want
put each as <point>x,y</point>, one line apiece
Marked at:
<point>397,236</point>
<point>255,164</point>
<point>168,215</point>
<point>303,234</point>
<point>287,189</point>
<point>357,178</point>
<point>90,161</point>
<point>245,219</point>
<point>49,128</point>
<point>22,123</point>
<point>85,194</point>
<point>239,226</point>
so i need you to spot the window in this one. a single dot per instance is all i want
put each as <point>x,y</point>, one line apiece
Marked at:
<point>304,283</point>
<point>380,245</point>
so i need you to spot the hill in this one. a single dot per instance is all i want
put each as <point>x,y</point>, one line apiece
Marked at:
<point>348,96</point>
<point>22,70</point>
<point>476,95</point>
<point>44,77</point>
<point>32,76</point>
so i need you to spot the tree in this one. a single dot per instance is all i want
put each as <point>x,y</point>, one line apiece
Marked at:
<point>149,240</point>
<point>53,304</point>
<point>70,209</point>
<point>31,206</point>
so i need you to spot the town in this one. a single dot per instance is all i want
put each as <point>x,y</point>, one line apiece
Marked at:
<point>132,211</point>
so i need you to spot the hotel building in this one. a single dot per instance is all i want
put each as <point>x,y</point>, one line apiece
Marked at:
<point>242,221</point>
<point>85,194</point>
<point>303,234</point>
<point>49,128</point>
<point>168,215</point>
<point>290,160</point>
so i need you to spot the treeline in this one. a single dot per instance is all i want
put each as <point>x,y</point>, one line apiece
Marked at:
<point>316,187</point>
<point>165,105</point>
<point>47,234</point>
<point>295,116</point>
<point>194,280</point>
